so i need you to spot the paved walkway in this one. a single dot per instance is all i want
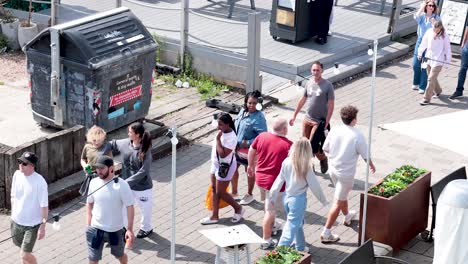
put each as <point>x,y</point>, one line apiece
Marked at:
<point>394,102</point>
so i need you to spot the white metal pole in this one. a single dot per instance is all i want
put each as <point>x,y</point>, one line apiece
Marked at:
<point>371,121</point>
<point>174,142</point>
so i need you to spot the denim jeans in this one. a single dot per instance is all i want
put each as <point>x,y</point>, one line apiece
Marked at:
<point>294,207</point>
<point>419,75</point>
<point>463,68</point>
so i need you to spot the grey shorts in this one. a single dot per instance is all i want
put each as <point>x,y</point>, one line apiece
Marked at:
<point>24,237</point>
<point>95,251</point>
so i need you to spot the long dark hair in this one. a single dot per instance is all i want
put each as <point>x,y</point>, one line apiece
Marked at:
<point>227,119</point>
<point>255,95</point>
<point>439,24</point>
<point>145,142</point>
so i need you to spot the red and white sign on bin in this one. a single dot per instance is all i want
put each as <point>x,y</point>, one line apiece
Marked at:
<point>125,96</point>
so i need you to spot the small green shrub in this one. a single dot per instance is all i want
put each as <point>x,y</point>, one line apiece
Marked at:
<point>280,255</point>
<point>3,42</point>
<point>397,181</point>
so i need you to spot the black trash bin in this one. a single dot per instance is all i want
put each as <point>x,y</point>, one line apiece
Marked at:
<point>105,71</point>
<point>291,20</point>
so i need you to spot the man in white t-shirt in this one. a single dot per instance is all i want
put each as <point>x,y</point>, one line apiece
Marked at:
<point>344,145</point>
<point>107,198</point>
<point>29,206</point>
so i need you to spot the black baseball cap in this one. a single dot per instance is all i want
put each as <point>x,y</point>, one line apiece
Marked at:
<point>104,161</point>
<point>28,157</point>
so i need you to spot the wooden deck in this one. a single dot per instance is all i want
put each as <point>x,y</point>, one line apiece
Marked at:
<point>354,23</point>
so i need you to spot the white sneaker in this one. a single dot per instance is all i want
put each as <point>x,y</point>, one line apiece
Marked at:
<point>329,239</point>
<point>347,220</point>
<point>235,196</point>
<point>247,199</point>
<point>415,87</point>
<point>421,91</point>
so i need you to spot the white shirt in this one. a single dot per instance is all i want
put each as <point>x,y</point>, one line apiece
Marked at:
<point>28,195</point>
<point>438,50</point>
<point>228,140</point>
<point>344,144</point>
<point>295,185</point>
<point>108,204</point>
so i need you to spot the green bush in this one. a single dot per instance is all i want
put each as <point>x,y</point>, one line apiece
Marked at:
<point>397,181</point>
<point>280,255</point>
<point>3,42</point>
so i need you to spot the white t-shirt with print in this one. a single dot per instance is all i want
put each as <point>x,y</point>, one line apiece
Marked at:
<point>345,144</point>
<point>108,204</point>
<point>28,195</point>
<point>228,140</point>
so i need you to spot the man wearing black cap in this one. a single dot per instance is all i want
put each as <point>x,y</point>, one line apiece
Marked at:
<point>103,213</point>
<point>29,206</point>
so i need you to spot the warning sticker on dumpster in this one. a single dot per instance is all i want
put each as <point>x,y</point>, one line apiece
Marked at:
<point>125,93</point>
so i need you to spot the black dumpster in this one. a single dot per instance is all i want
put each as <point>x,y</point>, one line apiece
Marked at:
<point>102,75</point>
<point>291,20</point>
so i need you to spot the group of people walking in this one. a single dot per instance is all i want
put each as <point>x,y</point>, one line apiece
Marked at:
<point>278,165</point>
<point>110,199</point>
<point>432,52</point>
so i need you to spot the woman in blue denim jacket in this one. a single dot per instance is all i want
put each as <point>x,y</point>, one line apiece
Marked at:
<point>249,123</point>
<point>425,16</point>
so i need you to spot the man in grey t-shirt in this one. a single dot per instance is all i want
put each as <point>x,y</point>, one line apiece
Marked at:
<point>321,100</point>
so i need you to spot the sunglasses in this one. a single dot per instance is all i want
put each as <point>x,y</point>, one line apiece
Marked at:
<point>430,5</point>
<point>22,163</point>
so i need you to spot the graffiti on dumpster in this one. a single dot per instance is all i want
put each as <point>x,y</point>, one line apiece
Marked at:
<point>125,93</point>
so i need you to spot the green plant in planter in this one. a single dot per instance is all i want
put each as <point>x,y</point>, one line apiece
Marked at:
<point>280,255</point>
<point>397,181</point>
<point>5,15</point>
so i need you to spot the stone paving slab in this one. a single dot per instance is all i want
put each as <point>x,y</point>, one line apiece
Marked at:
<point>394,102</point>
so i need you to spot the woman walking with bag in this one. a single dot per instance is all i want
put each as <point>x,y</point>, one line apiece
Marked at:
<point>297,173</point>
<point>223,166</point>
<point>250,122</point>
<point>136,163</point>
<point>436,43</point>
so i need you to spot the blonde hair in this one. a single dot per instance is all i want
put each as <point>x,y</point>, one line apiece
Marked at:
<point>301,157</point>
<point>96,133</point>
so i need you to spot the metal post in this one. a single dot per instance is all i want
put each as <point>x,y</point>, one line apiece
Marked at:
<point>173,192</point>
<point>371,121</point>
<point>55,94</point>
<point>394,16</point>
<point>53,13</point>
<point>382,6</point>
<point>184,11</point>
<point>118,3</point>
<point>253,54</point>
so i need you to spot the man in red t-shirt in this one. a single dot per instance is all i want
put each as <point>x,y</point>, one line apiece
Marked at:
<point>266,154</point>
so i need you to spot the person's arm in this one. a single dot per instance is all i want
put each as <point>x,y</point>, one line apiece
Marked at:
<point>326,144</point>
<point>314,186</point>
<point>465,37</point>
<point>331,106</point>
<point>89,212</point>
<point>299,106</point>
<point>84,160</point>
<point>13,191</point>
<point>371,166</point>
<point>129,236</point>
<point>423,45</point>
<point>220,149</point>
<point>447,49</point>
<point>252,159</point>
<point>278,183</point>
<point>418,13</point>
<point>144,169</point>
<point>44,215</point>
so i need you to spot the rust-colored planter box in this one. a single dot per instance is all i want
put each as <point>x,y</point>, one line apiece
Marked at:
<point>396,220</point>
<point>306,259</point>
